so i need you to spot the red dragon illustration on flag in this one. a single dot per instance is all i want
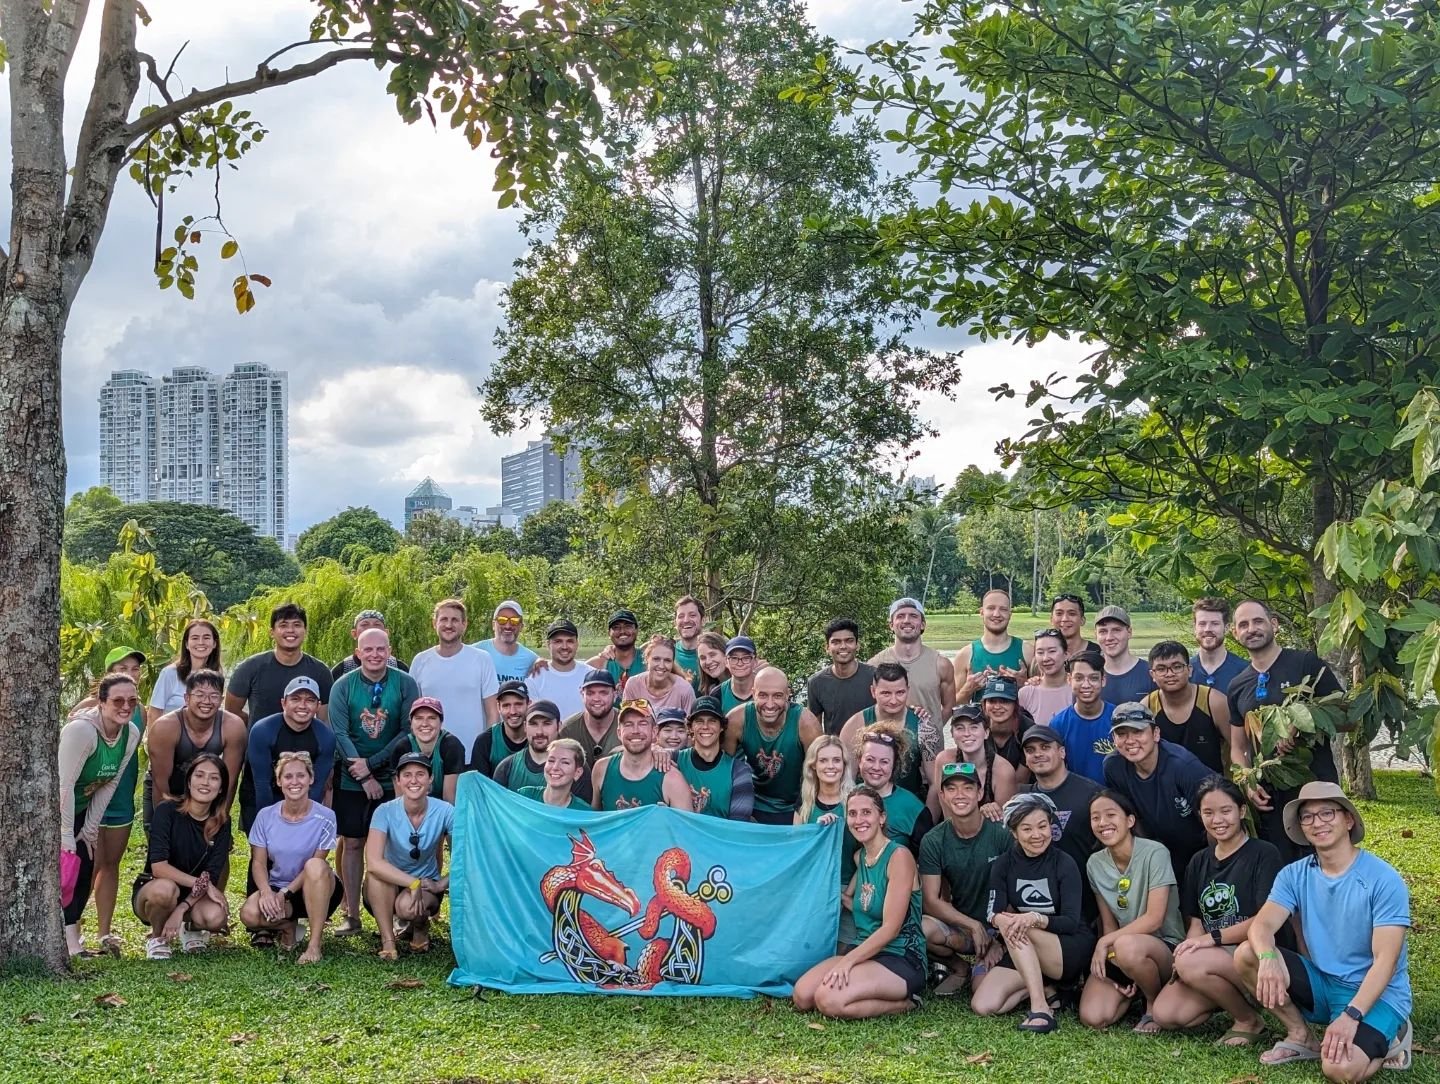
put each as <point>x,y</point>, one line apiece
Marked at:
<point>594,954</point>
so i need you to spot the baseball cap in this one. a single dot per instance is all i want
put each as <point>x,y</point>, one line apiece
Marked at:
<point>967,711</point>
<point>422,759</point>
<point>561,627</point>
<point>118,653</point>
<point>513,687</point>
<point>906,603</point>
<point>427,702</point>
<point>670,717</point>
<point>959,772</point>
<point>1113,613</point>
<point>508,604</point>
<point>369,615</point>
<point>1000,688</point>
<point>620,616</point>
<point>707,705</point>
<point>303,684</point>
<point>739,643</point>
<point>597,677</point>
<point>544,708</point>
<point>1131,716</point>
<point>1041,732</point>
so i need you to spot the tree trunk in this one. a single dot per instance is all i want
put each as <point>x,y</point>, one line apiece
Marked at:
<point>32,485</point>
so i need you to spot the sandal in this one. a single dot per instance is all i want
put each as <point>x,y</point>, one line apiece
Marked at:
<point>1237,1037</point>
<point>1400,1054</point>
<point>1146,1026</point>
<point>1284,1052</point>
<point>1047,1024</point>
<point>157,948</point>
<point>262,939</point>
<point>111,944</point>
<point>419,941</point>
<point>388,954</point>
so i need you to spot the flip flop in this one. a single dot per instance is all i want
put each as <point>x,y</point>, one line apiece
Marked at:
<point>1400,1054</point>
<point>1288,1052</point>
<point>1246,1038</point>
<point>1146,1026</point>
<point>1047,1023</point>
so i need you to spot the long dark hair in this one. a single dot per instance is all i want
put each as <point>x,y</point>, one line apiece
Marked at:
<point>219,812</point>
<point>709,686</point>
<point>182,657</point>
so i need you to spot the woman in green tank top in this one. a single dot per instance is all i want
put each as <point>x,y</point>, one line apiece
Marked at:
<point>879,753</point>
<point>885,972</point>
<point>564,767</point>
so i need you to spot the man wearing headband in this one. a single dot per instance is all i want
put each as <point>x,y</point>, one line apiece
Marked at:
<point>932,676</point>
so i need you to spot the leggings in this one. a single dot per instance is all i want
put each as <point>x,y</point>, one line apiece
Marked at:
<point>82,884</point>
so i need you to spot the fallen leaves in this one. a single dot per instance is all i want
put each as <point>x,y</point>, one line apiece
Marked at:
<point>984,1058</point>
<point>32,1018</point>
<point>815,1025</point>
<point>240,1038</point>
<point>179,976</point>
<point>111,1000</point>
<point>1407,833</point>
<point>405,984</point>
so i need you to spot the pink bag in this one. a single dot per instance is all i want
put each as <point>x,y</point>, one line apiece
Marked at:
<point>69,876</point>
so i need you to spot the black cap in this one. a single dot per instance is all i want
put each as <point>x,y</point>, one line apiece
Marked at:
<point>1041,733</point>
<point>623,615</point>
<point>544,708</point>
<point>707,705</point>
<point>422,759</point>
<point>564,625</point>
<point>968,711</point>
<point>669,717</point>
<point>597,677</point>
<point>513,686</point>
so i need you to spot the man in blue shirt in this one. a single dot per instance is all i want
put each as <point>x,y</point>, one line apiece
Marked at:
<point>1084,727</point>
<point>512,659</point>
<point>1354,913</point>
<point>1126,677</point>
<point>1160,779</point>
<point>1214,665</point>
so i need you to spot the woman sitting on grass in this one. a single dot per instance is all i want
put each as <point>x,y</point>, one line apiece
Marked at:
<point>403,854</point>
<point>290,844</point>
<point>885,972</point>
<point>1226,884</point>
<point>190,842</point>
<point>1036,896</point>
<point>1139,917</point>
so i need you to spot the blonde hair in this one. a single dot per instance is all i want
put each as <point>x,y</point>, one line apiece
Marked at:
<point>450,604</point>
<point>298,756</point>
<point>657,641</point>
<point>810,782</point>
<point>573,746</point>
<point>899,741</point>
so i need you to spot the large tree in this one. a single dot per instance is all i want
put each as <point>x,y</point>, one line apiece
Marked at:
<point>1231,202</point>
<point>523,77</point>
<point>736,385</point>
<point>359,527</point>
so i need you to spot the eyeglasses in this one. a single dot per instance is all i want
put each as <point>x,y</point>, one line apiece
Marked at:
<point>205,696</point>
<point>508,622</point>
<point>1123,899</point>
<point>1086,679</point>
<point>964,769</point>
<point>414,845</point>
<point>377,693</point>
<point>1262,686</point>
<point>1170,669</point>
<point>1323,815</point>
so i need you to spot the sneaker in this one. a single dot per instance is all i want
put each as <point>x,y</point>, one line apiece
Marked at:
<point>192,940</point>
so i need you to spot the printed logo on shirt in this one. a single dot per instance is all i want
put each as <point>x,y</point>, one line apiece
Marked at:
<point>1182,805</point>
<point>1058,828</point>
<point>699,799</point>
<point>1219,906</point>
<point>867,895</point>
<point>768,764</point>
<point>1103,746</point>
<point>1036,895</point>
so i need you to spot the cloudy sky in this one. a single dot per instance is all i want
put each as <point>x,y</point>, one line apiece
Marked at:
<point>388,258</point>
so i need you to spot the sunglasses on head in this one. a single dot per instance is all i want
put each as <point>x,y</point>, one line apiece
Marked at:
<point>1069,598</point>
<point>964,769</point>
<point>882,738</point>
<point>1131,717</point>
<point>1049,634</point>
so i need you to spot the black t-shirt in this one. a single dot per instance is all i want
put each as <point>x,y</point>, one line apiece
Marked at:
<point>179,839</point>
<point>260,681</point>
<point>452,756</point>
<point>1072,801</point>
<point>1290,668</point>
<point>1226,893</point>
<point>833,700</point>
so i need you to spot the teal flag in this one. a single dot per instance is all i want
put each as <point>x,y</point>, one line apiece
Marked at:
<point>641,901</point>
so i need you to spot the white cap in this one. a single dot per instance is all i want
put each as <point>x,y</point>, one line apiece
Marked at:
<point>508,604</point>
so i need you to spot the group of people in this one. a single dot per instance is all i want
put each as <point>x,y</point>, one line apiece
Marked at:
<point>1035,820</point>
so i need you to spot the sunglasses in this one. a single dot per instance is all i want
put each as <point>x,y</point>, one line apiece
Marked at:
<point>1049,634</point>
<point>377,693</point>
<point>638,704</point>
<point>508,622</point>
<point>1123,899</point>
<point>414,845</point>
<point>964,770</point>
<point>882,739</point>
<point>1262,686</point>
<point>124,701</point>
<point>286,758</point>
<point>1131,717</point>
<point>1069,598</point>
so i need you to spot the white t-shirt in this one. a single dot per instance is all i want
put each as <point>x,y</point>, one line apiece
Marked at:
<point>169,694</point>
<point>563,687</point>
<point>461,683</point>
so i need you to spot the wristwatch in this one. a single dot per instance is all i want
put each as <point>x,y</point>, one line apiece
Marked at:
<point>1215,936</point>
<point>1354,1014</point>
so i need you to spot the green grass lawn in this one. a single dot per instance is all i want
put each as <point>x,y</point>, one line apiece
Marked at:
<point>235,1014</point>
<point>950,631</point>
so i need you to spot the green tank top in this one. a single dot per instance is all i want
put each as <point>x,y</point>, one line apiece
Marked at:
<point>99,768</point>
<point>121,810</point>
<point>538,793</point>
<point>621,676</point>
<point>911,779</point>
<point>848,846</point>
<point>775,762</point>
<point>687,662</point>
<point>621,793</point>
<point>521,774</point>
<point>902,810</point>
<point>728,700</point>
<point>709,787</point>
<point>868,908</point>
<point>1012,658</point>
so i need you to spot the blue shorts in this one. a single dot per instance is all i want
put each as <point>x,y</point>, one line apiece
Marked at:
<point>1322,998</point>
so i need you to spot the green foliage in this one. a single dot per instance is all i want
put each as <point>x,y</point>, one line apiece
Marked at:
<point>551,533</point>
<point>362,527</point>
<point>1284,736</point>
<point>220,553</point>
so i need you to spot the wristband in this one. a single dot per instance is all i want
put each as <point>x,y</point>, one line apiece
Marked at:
<point>415,884</point>
<point>1267,956</point>
<point>1217,938</point>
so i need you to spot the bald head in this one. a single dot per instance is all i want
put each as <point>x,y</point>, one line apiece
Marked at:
<point>372,648</point>
<point>772,695</point>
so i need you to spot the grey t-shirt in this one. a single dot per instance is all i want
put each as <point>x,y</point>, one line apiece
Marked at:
<point>833,700</point>
<point>1149,868</point>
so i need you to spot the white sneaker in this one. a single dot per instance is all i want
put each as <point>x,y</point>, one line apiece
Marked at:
<point>193,940</point>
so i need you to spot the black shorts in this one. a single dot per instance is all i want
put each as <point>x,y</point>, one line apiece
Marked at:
<point>784,816</point>
<point>910,970</point>
<point>296,899</point>
<point>353,812</point>
<point>1369,1039</point>
<point>1076,949</point>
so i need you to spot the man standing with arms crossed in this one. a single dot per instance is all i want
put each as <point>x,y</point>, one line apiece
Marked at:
<point>932,676</point>
<point>461,677</point>
<point>995,653</point>
<point>1214,665</point>
<point>842,689</point>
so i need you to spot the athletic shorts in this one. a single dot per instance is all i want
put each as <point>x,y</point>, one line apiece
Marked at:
<point>353,812</point>
<point>120,813</point>
<point>784,816</point>
<point>910,970</point>
<point>1076,949</point>
<point>1321,999</point>
<point>296,899</point>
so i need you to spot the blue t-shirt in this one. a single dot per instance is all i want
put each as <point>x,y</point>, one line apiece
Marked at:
<point>1165,800</point>
<point>1228,671</point>
<point>391,818</point>
<point>1087,741</point>
<point>1338,915</point>
<point>514,667</point>
<point>1134,684</point>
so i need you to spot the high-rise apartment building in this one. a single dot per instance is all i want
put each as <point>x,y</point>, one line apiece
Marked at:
<point>531,479</point>
<point>201,439</point>
<point>128,434</point>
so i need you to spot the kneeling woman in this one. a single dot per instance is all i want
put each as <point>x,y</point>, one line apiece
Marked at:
<point>403,854</point>
<point>189,851</point>
<point>885,972</point>
<point>1139,917</point>
<point>290,844</point>
<point>1036,895</point>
